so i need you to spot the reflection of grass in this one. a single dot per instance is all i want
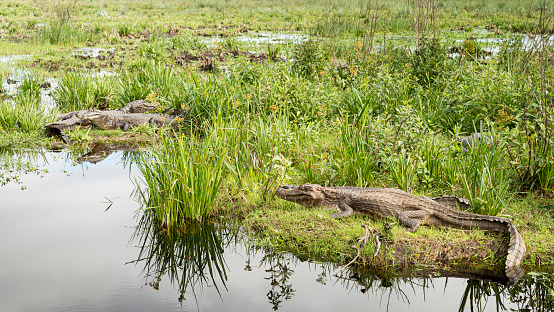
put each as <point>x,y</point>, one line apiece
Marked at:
<point>190,254</point>
<point>16,162</point>
<point>534,292</point>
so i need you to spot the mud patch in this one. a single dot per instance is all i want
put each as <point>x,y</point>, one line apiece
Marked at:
<point>50,65</point>
<point>208,59</point>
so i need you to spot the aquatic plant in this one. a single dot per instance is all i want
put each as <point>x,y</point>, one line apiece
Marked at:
<point>181,177</point>
<point>79,90</point>
<point>25,114</point>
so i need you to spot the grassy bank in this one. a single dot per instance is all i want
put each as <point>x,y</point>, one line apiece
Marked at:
<point>311,234</point>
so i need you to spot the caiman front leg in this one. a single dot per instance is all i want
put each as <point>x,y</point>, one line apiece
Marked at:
<point>124,125</point>
<point>413,219</point>
<point>346,211</point>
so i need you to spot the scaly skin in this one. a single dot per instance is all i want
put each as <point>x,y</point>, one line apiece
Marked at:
<point>409,210</point>
<point>72,120</point>
<point>125,121</point>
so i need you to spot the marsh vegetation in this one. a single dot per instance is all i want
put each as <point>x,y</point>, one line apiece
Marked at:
<point>372,93</point>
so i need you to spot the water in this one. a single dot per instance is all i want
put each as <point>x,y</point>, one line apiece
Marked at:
<point>262,38</point>
<point>91,51</point>
<point>70,242</point>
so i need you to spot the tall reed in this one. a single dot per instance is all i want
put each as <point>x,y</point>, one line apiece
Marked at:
<point>79,90</point>
<point>25,114</point>
<point>182,176</point>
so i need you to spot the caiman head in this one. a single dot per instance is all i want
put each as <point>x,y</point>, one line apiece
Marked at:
<point>309,195</point>
<point>141,106</point>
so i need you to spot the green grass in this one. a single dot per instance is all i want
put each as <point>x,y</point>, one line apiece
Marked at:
<point>24,114</point>
<point>82,91</point>
<point>181,178</point>
<point>79,135</point>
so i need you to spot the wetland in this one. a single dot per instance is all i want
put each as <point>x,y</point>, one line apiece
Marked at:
<point>367,94</point>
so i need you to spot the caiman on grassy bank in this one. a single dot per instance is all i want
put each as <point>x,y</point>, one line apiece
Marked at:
<point>72,120</point>
<point>125,121</point>
<point>409,210</point>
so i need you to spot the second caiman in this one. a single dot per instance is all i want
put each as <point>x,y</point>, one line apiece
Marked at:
<point>410,211</point>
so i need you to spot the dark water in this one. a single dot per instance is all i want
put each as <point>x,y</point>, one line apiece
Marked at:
<point>62,249</point>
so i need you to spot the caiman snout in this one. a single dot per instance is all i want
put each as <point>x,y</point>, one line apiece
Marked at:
<point>288,186</point>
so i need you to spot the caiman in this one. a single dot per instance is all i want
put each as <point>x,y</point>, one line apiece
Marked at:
<point>470,141</point>
<point>125,121</point>
<point>410,211</point>
<point>138,106</point>
<point>69,121</point>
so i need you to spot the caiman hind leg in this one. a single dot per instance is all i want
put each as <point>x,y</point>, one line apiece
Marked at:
<point>346,211</point>
<point>413,219</point>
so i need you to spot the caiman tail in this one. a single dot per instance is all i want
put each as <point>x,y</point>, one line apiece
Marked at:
<point>516,252</point>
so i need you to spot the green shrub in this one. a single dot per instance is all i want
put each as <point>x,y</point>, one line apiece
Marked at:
<point>428,61</point>
<point>309,60</point>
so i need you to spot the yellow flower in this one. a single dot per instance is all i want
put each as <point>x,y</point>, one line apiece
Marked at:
<point>274,108</point>
<point>151,97</point>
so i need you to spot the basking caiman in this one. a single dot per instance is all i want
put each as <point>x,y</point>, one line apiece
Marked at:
<point>69,121</point>
<point>125,121</point>
<point>409,210</point>
<point>469,141</point>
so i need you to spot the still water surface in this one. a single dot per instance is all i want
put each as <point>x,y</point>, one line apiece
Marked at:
<point>70,242</point>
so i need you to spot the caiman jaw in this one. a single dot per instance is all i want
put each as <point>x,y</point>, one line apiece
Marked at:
<point>296,194</point>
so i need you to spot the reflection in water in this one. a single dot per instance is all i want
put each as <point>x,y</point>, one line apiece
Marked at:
<point>534,292</point>
<point>193,257</point>
<point>478,293</point>
<point>17,162</point>
<point>280,273</point>
<point>190,256</point>
<point>99,151</point>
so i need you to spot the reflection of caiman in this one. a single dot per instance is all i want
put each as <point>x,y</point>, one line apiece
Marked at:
<point>410,210</point>
<point>71,120</point>
<point>125,121</point>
